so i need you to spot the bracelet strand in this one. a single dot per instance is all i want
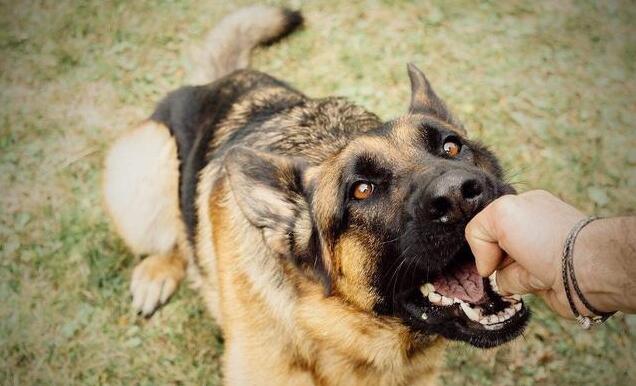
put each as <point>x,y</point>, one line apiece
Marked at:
<point>569,278</point>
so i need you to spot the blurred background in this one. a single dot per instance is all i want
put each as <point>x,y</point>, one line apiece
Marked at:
<point>549,86</point>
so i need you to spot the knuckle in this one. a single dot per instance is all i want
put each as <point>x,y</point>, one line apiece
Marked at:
<point>504,203</point>
<point>505,207</point>
<point>469,230</point>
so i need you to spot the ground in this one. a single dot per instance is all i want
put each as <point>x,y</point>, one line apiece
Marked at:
<point>549,87</point>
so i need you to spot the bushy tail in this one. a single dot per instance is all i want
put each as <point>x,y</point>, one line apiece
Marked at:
<point>227,47</point>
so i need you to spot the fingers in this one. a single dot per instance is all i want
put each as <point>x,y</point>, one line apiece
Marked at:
<point>481,235</point>
<point>514,279</point>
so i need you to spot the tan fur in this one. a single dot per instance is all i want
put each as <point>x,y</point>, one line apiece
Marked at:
<point>206,277</point>
<point>354,285</point>
<point>253,311</point>
<point>141,195</point>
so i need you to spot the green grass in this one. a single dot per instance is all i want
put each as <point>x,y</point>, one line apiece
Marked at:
<point>549,87</point>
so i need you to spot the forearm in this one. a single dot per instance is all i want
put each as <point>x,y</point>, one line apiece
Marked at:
<point>605,263</point>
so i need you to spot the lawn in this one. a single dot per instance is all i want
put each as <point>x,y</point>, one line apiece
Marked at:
<point>550,87</point>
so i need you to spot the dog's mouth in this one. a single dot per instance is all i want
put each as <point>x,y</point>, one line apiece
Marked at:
<point>459,304</point>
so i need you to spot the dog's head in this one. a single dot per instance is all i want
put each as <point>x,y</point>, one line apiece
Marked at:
<point>381,223</point>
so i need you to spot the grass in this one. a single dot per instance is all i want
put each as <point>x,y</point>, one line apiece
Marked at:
<point>550,87</point>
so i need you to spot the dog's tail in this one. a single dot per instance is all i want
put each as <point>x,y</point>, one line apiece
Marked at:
<point>227,47</point>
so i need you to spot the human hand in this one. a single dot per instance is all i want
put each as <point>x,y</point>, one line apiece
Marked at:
<point>522,238</point>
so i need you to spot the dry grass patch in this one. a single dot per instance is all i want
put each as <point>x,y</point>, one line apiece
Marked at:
<point>549,86</point>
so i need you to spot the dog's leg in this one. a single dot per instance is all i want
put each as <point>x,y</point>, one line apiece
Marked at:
<point>141,182</point>
<point>154,280</point>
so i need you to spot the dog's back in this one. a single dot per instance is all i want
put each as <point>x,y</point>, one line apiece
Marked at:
<point>155,164</point>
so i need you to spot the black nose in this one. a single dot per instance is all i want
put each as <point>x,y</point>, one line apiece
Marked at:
<point>453,196</point>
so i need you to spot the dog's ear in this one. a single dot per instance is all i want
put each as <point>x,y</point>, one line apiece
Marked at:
<point>424,100</point>
<point>269,190</point>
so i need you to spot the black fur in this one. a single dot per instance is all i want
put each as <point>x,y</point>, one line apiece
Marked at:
<point>293,21</point>
<point>192,114</point>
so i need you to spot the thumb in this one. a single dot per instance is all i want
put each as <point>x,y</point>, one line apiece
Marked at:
<point>481,236</point>
<point>514,279</point>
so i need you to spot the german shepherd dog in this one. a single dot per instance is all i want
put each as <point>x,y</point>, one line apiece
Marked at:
<point>328,245</point>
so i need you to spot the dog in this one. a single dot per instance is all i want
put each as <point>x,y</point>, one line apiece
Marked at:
<point>328,245</point>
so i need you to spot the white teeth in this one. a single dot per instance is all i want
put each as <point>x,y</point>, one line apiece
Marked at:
<point>427,289</point>
<point>505,314</point>
<point>490,322</point>
<point>473,314</point>
<point>493,322</point>
<point>509,312</point>
<point>493,326</point>
<point>493,282</point>
<point>434,297</point>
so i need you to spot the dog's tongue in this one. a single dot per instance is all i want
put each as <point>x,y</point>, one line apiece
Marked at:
<point>462,282</point>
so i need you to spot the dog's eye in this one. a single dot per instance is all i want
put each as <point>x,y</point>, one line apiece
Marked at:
<point>452,147</point>
<point>362,190</point>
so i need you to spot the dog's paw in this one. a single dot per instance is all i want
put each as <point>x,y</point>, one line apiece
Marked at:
<point>154,280</point>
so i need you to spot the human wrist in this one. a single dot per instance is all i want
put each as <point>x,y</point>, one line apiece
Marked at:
<point>599,270</point>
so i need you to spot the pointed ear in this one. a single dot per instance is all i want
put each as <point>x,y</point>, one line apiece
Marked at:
<point>268,188</point>
<point>423,98</point>
<point>269,191</point>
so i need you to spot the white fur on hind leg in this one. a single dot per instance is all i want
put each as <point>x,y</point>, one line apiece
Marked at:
<point>141,178</point>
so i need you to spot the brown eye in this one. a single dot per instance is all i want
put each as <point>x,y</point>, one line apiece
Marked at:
<point>452,148</point>
<point>362,190</point>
